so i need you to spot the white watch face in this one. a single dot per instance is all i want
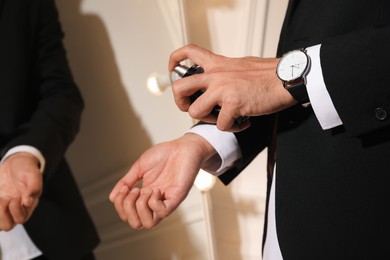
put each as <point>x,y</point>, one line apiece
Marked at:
<point>292,65</point>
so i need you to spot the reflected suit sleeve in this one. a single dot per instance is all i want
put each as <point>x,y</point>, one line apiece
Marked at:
<point>51,114</point>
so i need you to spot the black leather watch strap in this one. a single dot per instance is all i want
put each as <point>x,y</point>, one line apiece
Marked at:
<point>299,93</point>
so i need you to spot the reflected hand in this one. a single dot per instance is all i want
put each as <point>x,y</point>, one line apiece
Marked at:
<point>20,189</point>
<point>167,171</point>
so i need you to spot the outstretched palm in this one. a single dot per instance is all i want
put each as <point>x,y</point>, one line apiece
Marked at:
<point>167,172</point>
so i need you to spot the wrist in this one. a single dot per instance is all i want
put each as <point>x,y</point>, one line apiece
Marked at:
<point>205,148</point>
<point>27,149</point>
<point>26,157</point>
<point>292,70</point>
<point>286,98</point>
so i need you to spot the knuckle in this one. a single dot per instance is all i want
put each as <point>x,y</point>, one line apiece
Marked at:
<point>233,101</point>
<point>191,47</point>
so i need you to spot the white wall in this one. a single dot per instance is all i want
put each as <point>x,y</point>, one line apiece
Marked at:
<point>112,47</point>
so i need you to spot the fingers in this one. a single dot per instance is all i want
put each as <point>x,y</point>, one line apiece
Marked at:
<point>181,54</point>
<point>184,88</point>
<point>118,190</point>
<point>192,52</point>
<point>29,197</point>
<point>118,201</point>
<point>6,220</point>
<point>130,211</point>
<point>145,213</point>
<point>140,213</point>
<point>217,91</point>
<point>162,207</point>
<point>18,212</point>
<point>191,95</point>
<point>129,180</point>
<point>227,120</point>
<point>33,190</point>
<point>20,196</point>
<point>33,204</point>
<point>12,212</point>
<point>204,109</point>
<point>143,208</point>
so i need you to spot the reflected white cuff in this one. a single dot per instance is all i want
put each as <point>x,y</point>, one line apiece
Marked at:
<point>318,94</point>
<point>225,143</point>
<point>28,149</point>
<point>16,244</point>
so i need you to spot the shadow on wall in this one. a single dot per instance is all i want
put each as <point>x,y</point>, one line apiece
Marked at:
<point>111,135</point>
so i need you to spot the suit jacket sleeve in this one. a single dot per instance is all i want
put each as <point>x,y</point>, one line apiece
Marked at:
<point>251,141</point>
<point>54,100</point>
<point>356,68</point>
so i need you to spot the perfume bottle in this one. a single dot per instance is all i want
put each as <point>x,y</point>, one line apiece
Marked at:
<point>182,71</point>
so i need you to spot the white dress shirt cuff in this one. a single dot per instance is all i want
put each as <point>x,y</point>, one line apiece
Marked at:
<point>225,143</point>
<point>318,94</point>
<point>28,149</point>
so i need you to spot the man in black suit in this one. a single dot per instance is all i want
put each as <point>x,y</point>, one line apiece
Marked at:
<point>325,121</point>
<point>42,213</point>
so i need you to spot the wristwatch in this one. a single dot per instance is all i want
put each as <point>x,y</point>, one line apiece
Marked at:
<point>292,70</point>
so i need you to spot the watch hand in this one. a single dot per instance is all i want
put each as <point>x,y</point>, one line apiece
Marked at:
<point>298,64</point>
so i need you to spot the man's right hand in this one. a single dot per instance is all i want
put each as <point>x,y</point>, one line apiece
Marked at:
<point>20,189</point>
<point>167,172</point>
<point>246,86</point>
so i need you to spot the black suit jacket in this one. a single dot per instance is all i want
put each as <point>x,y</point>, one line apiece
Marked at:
<point>333,186</point>
<point>40,106</point>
